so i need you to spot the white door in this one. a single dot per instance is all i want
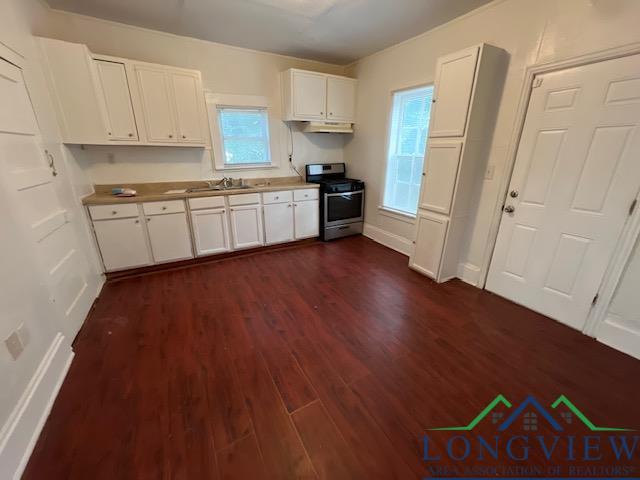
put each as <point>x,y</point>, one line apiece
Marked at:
<point>576,174</point>
<point>33,186</point>
<point>210,231</point>
<point>122,243</point>
<point>278,223</point>
<point>156,104</point>
<point>439,176</point>
<point>246,226</point>
<point>309,95</point>
<point>189,107</point>
<point>169,237</point>
<point>453,86</point>
<point>117,99</point>
<point>307,219</point>
<point>341,99</point>
<point>431,231</point>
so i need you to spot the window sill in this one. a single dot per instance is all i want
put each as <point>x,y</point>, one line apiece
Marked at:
<point>244,167</point>
<point>397,215</point>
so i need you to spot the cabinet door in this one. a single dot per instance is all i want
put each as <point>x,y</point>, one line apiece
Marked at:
<point>439,176</point>
<point>210,231</point>
<point>189,107</point>
<point>122,243</point>
<point>246,226</point>
<point>169,236</point>
<point>307,219</point>
<point>309,95</point>
<point>117,99</point>
<point>454,83</point>
<point>156,104</point>
<point>341,99</point>
<point>430,235</point>
<point>278,223</point>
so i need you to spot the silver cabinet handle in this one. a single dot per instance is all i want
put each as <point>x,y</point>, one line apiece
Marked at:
<point>509,209</point>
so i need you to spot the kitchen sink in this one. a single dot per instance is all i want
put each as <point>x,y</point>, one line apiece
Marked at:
<point>217,188</point>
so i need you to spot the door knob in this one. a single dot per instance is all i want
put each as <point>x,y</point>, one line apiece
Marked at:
<point>513,193</point>
<point>509,209</point>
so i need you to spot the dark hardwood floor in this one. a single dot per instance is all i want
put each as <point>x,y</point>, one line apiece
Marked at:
<point>322,361</point>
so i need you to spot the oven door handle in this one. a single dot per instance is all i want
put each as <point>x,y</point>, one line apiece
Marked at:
<point>343,194</point>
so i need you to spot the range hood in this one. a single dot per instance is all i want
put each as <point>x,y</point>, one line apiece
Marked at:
<point>327,127</point>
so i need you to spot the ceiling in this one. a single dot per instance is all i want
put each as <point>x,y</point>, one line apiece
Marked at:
<point>335,31</point>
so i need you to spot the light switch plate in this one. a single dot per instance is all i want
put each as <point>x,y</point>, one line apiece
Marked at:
<point>14,345</point>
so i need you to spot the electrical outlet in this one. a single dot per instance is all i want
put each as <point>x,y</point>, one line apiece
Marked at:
<point>489,172</point>
<point>14,345</point>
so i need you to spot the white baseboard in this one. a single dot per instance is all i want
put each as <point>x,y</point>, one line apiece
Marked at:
<point>469,273</point>
<point>20,433</point>
<point>388,239</point>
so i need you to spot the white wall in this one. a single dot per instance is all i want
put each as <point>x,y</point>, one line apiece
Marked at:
<point>225,69</point>
<point>532,32</point>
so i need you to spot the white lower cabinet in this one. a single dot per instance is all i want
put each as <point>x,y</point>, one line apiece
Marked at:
<point>278,223</point>
<point>169,237</point>
<point>246,226</point>
<point>122,243</point>
<point>431,230</point>
<point>210,231</point>
<point>307,219</point>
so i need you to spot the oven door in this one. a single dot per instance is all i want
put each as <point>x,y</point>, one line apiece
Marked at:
<point>343,208</point>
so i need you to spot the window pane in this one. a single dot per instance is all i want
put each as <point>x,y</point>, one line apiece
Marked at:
<point>245,135</point>
<point>407,145</point>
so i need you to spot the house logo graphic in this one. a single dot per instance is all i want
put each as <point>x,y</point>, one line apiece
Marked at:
<point>531,440</point>
<point>531,402</point>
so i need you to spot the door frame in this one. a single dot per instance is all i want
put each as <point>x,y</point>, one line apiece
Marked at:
<point>631,230</point>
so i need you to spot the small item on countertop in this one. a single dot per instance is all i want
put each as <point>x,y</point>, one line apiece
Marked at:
<point>171,192</point>
<point>123,192</point>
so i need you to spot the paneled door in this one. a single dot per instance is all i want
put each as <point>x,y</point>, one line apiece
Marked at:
<point>575,178</point>
<point>32,179</point>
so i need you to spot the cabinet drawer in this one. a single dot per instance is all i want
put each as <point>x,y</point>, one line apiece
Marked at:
<point>306,194</point>
<point>277,197</point>
<point>244,199</point>
<point>157,208</point>
<point>206,202</point>
<point>102,212</point>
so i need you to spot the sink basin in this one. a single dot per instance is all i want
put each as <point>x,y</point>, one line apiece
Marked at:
<point>217,188</point>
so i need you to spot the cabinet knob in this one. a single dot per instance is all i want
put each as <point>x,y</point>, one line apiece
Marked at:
<point>184,136</point>
<point>164,208</point>
<point>148,219</point>
<point>114,212</point>
<point>109,133</point>
<point>306,194</point>
<point>276,198</point>
<point>424,174</point>
<point>137,221</point>
<point>289,205</point>
<point>222,210</point>
<point>321,113</point>
<point>232,209</point>
<point>131,135</point>
<point>170,136</point>
<point>330,113</point>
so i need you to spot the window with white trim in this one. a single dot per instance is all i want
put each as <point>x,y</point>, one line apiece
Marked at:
<point>244,136</point>
<point>408,134</point>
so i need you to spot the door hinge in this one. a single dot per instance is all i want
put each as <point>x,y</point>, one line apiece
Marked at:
<point>595,299</point>
<point>632,207</point>
<point>537,82</point>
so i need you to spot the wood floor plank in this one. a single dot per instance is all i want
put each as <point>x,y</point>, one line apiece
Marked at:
<point>241,460</point>
<point>330,454</point>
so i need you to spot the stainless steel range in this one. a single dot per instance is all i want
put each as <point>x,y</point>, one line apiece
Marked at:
<point>341,200</point>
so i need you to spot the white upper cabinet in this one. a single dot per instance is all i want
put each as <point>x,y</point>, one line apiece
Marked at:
<point>103,100</point>
<point>341,99</point>
<point>121,123</point>
<point>455,74</point>
<point>74,85</point>
<point>189,105</point>
<point>155,97</point>
<point>440,171</point>
<point>313,96</point>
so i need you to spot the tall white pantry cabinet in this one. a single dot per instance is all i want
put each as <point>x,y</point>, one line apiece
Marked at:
<point>468,85</point>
